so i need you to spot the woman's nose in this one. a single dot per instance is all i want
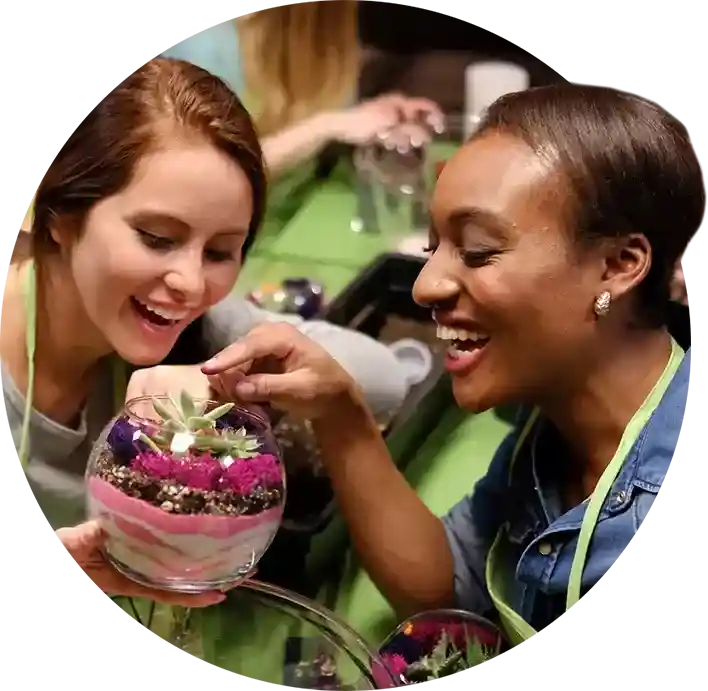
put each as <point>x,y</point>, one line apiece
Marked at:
<point>433,288</point>
<point>186,277</point>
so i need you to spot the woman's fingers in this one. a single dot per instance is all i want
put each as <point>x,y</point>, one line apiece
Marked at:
<point>83,540</point>
<point>261,343</point>
<point>264,388</point>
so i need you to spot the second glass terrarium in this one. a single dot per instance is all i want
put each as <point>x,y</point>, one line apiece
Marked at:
<point>190,492</point>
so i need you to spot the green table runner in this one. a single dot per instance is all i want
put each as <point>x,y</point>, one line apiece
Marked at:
<point>320,231</point>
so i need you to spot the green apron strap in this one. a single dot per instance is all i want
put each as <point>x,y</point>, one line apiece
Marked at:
<point>29,287</point>
<point>497,565</point>
<point>607,480</point>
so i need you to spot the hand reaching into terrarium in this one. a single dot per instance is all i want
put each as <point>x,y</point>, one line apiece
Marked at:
<point>277,364</point>
<point>84,543</point>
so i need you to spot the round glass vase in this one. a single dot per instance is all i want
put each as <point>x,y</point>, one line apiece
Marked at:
<point>437,643</point>
<point>189,492</point>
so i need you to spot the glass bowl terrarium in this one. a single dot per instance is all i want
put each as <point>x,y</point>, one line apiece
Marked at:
<point>190,492</point>
<point>278,636</point>
<point>438,643</point>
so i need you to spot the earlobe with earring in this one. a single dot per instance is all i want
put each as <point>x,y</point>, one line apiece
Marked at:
<point>602,303</point>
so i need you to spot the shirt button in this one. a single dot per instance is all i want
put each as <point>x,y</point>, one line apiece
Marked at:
<point>620,497</point>
<point>545,548</point>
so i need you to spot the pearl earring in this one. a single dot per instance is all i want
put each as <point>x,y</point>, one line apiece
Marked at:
<point>602,303</point>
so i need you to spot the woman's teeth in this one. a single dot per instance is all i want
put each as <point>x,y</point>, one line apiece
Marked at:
<point>461,340</point>
<point>446,333</point>
<point>159,314</point>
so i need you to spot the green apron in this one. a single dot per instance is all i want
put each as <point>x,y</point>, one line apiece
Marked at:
<point>499,573</point>
<point>119,369</point>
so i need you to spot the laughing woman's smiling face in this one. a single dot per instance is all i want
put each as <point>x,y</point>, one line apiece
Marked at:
<point>155,256</point>
<point>509,288</point>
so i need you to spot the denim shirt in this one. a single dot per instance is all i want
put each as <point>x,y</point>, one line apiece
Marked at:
<point>542,539</point>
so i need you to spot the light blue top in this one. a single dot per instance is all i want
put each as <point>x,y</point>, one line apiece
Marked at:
<point>216,50</point>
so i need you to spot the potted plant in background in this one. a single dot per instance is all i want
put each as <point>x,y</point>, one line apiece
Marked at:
<point>189,492</point>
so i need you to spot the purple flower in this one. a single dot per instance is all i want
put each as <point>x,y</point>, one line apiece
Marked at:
<point>199,472</point>
<point>122,442</point>
<point>159,466</point>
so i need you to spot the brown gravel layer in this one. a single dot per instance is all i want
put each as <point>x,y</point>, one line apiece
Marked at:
<point>173,497</point>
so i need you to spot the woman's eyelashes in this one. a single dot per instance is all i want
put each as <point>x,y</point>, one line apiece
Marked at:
<point>160,243</point>
<point>477,258</point>
<point>470,258</point>
<point>155,242</point>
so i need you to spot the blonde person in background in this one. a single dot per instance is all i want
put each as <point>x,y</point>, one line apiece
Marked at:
<point>296,68</point>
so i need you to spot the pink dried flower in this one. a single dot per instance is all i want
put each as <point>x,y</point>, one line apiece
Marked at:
<point>245,475</point>
<point>155,465</point>
<point>198,472</point>
<point>267,469</point>
<point>396,664</point>
<point>240,477</point>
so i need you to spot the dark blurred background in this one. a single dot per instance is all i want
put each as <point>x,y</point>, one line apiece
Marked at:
<point>422,46</point>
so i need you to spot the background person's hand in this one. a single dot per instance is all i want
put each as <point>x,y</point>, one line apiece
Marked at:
<point>84,543</point>
<point>363,123</point>
<point>278,365</point>
<point>420,111</point>
<point>385,117</point>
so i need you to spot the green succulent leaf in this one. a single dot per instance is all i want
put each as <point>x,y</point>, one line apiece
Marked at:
<point>186,404</point>
<point>439,654</point>
<point>145,439</point>
<point>162,410</point>
<point>199,408</point>
<point>195,423</point>
<point>218,412</point>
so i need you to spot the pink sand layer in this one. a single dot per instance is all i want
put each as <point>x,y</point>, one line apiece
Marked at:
<point>219,527</point>
<point>162,545</point>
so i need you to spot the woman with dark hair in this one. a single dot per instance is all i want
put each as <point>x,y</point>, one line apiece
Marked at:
<point>138,234</point>
<point>556,230</point>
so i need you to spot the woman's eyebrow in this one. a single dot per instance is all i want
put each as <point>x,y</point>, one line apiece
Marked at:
<point>168,220</point>
<point>481,218</point>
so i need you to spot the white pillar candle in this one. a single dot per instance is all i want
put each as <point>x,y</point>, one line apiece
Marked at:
<point>485,82</point>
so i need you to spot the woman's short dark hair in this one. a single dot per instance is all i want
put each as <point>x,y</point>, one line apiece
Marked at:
<point>630,165</point>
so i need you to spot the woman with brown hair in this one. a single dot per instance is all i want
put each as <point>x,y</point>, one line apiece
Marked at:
<point>139,229</point>
<point>556,231</point>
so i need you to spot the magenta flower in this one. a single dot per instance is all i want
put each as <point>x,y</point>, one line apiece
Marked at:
<point>199,472</point>
<point>246,474</point>
<point>396,664</point>
<point>267,469</point>
<point>240,477</point>
<point>159,466</point>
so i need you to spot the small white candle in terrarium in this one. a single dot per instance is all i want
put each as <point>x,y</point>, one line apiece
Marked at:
<point>189,492</point>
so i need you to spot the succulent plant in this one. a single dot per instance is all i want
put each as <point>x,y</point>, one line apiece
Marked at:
<point>446,658</point>
<point>188,426</point>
